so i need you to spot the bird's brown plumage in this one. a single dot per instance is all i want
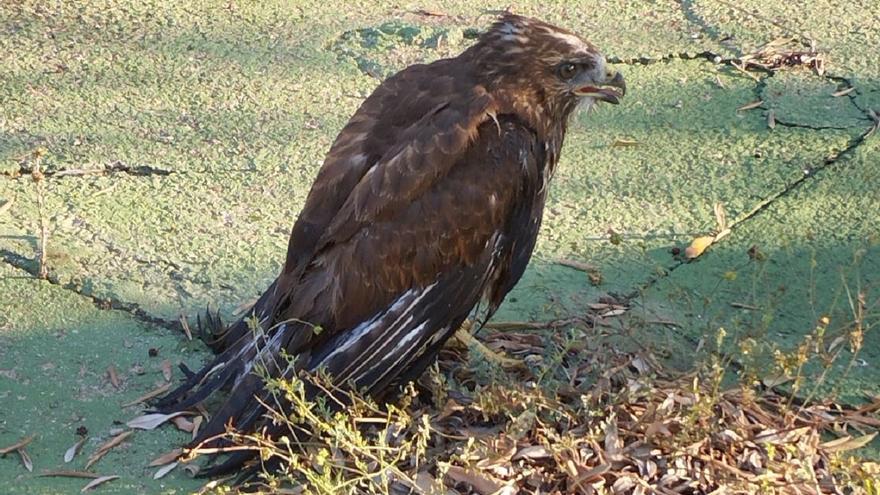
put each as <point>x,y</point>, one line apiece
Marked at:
<point>428,202</point>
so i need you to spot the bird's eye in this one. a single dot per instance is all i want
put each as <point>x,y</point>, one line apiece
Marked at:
<point>567,70</point>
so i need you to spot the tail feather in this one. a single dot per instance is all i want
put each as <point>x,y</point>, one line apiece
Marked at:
<point>262,310</point>
<point>227,342</point>
<point>212,331</point>
<point>188,373</point>
<point>401,338</point>
<point>234,411</point>
<point>200,383</point>
<point>230,464</point>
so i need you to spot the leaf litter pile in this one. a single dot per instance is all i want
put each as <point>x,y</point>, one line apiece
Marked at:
<point>575,416</point>
<point>535,407</point>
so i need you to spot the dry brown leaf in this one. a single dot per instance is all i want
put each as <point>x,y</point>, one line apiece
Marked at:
<point>98,481</point>
<point>183,424</point>
<point>698,245</point>
<point>865,420</point>
<point>750,106</point>
<point>166,458</point>
<point>657,427</point>
<point>481,483</point>
<point>197,423</point>
<point>494,461</point>
<point>577,265</point>
<point>532,452</point>
<point>74,449</point>
<point>775,380</point>
<point>784,436</point>
<point>641,365</point>
<point>720,216</point>
<point>848,443</point>
<point>107,446</point>
<point>165,470</point>
<point>592,474</point>
<point>68,474</point>
<point>166,369</point>
<point>185,326</point>
<point>612,439</point>
<point>837,342</point>
<point>425,482</point>
<point>17,445</point>
<point>149,395</point>
<point>622,143</point>
<point>151,421</point>
<point>25,459</point>
<point>624,484</point>
<point>843,92</point>
<point>113,376</point>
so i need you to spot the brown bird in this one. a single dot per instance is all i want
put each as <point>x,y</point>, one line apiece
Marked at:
<point>427,204</point>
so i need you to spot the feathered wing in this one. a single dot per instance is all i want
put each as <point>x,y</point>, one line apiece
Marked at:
<point>407,227</point>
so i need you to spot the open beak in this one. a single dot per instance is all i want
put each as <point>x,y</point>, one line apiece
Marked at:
<point>612,91</point>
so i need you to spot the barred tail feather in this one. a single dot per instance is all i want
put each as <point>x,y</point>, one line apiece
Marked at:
<point>398,342</point>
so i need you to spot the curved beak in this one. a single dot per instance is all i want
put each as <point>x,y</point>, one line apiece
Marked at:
<point>611,91</point>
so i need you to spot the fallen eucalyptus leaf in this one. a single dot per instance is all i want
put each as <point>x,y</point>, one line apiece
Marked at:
<point>698,245</point>
<point>482,484</point>
<point>848,443</point>
<point>197,423</point>
<point>165,470</point>
<point>166,369</point>
<point>750,106</point>
<point>183,424</point>
<point>25,459</point>
<point>74,449</point>
<point>622,143</point>
<point>843,92</point>
<point>532,452</point>
<point>149,395</point>
<point>151,421</point>
<point>17,445</point>
<point>106,446</point>
<point>68,474</point>
<point>98,481</point>
<point>113,376</point>
<point>166,458</point>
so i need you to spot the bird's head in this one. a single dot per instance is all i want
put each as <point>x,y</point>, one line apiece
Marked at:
<point>544,69</point>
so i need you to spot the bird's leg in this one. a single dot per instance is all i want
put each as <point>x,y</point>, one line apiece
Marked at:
<point>463,335</point>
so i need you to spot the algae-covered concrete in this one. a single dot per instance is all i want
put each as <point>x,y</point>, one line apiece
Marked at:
<point>178,142</point>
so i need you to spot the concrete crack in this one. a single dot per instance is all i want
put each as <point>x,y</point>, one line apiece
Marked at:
<point>808,175</point>
<point>28,265</point>
<point>812,127</point>
<point>117,167</point>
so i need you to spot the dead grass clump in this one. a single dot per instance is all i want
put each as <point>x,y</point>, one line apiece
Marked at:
<point>632,427</point>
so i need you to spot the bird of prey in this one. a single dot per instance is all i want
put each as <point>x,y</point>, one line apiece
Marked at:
<point>425,210</point>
